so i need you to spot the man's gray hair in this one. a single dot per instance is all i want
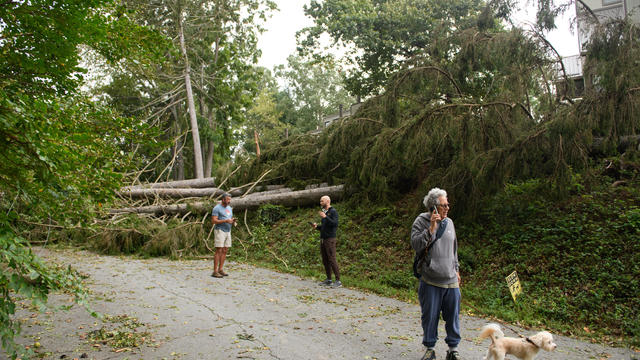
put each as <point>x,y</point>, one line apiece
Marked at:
<point>225,195</point>
<point>433,198</point>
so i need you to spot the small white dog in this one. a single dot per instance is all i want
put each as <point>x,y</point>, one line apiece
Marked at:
<point>525,349</point>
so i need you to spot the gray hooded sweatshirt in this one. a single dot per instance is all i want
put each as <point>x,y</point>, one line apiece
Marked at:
<point>440,266</point>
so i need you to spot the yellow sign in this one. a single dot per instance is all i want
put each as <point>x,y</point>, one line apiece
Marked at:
<point>514,285</point>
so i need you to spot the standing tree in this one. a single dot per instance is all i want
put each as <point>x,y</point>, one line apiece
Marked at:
<point>209,77</point>
<point>59,150</point>
<point>379,35</point>
<point>316,89</point>
<point>197,150</point>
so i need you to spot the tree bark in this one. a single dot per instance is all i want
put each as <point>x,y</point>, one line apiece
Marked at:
<point>197,150</point>
<point>178,173</point>
<point>208,168</point>
<point>176,193</point>
<point>181,184</point>
<point>180,192</point>
<point>269,189</point>
<point>255,137</point>
<point>208,165</point>
<point>293,198</point>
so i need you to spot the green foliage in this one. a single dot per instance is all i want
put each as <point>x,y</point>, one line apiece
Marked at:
<point>316,89</point>
<point>380,34</point>
<point>61,153</point>
<point>471,113</point>
<point>140,236</point>
<point>270,214</point>
<point>220,40</point>
<point>23,275</point>
<point>576,258</point>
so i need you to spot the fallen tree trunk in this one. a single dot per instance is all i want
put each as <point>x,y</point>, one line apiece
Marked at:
<point>193,183</point>
<point>262,193</point>
<point>292,198</point>
<point>181,193</point>
<point>170,193</point>
<point>242,189</point>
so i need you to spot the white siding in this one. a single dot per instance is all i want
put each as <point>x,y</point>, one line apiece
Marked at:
<point>633,9</point>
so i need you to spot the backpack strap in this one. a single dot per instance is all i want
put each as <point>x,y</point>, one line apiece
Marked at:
<point>421,255</point>
<point>439,232</point>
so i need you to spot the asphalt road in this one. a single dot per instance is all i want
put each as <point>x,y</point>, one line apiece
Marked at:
<point>181,312</point>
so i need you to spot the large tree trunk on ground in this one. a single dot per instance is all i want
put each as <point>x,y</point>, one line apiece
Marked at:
<point>180,193</point>
<point>293,198</point>
<point>262,189</point>
<point>181,184</point>
<point>197,150</point>
<point>237,191</point>
<point>170,193</point>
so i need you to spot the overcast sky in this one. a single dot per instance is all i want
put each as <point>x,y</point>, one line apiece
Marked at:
<point>279,41</point>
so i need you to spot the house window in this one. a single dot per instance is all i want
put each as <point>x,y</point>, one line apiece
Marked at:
<point>610,2</point>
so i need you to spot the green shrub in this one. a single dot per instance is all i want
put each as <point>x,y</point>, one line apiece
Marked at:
<point>270,214</point>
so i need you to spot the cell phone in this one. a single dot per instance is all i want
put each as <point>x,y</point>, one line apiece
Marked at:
<point>435,209</point>
<point>310,223</point>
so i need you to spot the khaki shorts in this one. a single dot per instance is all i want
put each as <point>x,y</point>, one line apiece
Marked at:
<point>222,238</point>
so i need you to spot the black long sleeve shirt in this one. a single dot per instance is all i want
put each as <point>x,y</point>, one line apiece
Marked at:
<point>329,225</point>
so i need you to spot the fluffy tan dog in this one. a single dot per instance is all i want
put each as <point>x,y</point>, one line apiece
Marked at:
<point>525,349</point>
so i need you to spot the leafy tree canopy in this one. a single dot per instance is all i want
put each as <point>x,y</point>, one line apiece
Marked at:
<point>220,40</point>
<point>316,88</point>
<point>380,34</point>
<point>60,151</point>
<point>474,111</point>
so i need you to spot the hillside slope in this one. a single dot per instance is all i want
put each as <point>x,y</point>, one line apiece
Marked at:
<point>578,259</point>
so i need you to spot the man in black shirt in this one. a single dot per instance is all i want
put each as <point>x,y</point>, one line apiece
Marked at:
<point>328,228</point>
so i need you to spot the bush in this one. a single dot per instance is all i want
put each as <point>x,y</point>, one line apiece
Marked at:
<point>270,214</point>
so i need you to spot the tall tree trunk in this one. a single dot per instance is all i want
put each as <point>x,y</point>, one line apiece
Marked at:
<point>255,137</point>
<point>197,150</point>
<point>178,167</point>
<point>209,158</point>
<point>208,166</point>
<point>209,146</point>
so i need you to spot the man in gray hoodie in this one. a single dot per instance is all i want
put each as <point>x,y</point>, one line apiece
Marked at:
<point>434,235</point>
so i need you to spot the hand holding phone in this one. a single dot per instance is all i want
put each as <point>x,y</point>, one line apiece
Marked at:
<point>435,217</point>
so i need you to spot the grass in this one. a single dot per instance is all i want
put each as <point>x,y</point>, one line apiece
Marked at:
<point>578,261</point>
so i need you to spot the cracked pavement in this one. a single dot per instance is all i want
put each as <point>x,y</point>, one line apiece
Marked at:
<point>252,314</point>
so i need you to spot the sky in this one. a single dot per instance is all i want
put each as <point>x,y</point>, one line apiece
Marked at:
<point>279,41</point>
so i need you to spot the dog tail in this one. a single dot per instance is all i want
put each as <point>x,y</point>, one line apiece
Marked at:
<point>491,331</point>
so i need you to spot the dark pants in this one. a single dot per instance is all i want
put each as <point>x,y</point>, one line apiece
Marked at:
<point>434,299</point>
<point>328,251</point>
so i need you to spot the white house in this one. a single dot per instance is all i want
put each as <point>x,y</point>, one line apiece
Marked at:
<point>604,10</point>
